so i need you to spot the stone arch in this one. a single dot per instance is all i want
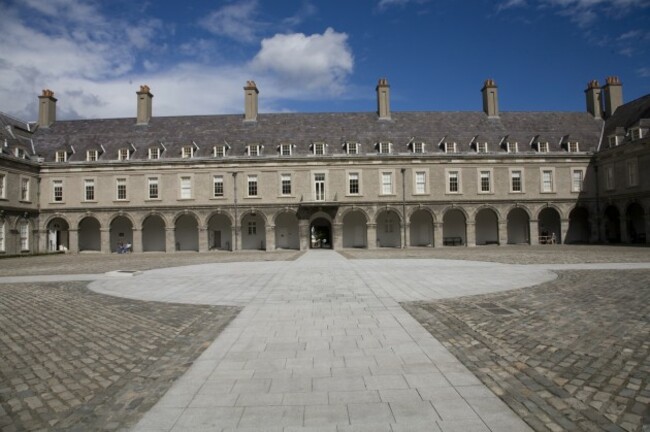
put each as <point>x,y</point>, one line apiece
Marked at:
<point>89,233</point>
<point>341,215</point>
<point>486,221</point>
<point>121,232</point>
<point>58,234</point>
<point>421,227</point>
<point>612,224</point>
<point>636,223</point>
<point>154,233</point>
<point>518,225</point>
<point>549,225</point>
<point>51,217</point>
<point>254,212</point>
<point>287,235</point>
<point>253,230</point>
<point>321,233</point>
<point>389,228</point>
<point>128,216</point>
<point>186,232</point>
<point>558,210</point>
<point>219,231</point>
<point>579,230</point>
<point>162,216</point>
<point>454,226</point>
<point>355,228</point>
<point>186,213</point>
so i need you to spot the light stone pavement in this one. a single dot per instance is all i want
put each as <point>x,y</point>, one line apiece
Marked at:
<point>322,344</point>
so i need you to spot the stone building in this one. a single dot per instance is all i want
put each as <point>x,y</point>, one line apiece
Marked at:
<point>340,180</point>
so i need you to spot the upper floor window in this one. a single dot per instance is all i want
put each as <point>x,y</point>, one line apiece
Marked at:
<point>217,186</point>
<point>57,190</point>
<point>89,190</point>
<point>319,148</point>
<point>418,147</point>
<point>485,180</point>
<point>420,182</point>
<point>120,192</point>
<point>123,154</point>
<point>153,188</point>
<point>353,183</point>
<point>542,147</point>
<point>24,236</point>
<point>453,181</point>
<point>24,189</point>
<point>614,140</point>
<point>384,147</point>
<point>187,152</point>
<point>632,173</point>
<point>386,183</point>
<point>61,156</point>
<point>219,151</point>
<point>254,150</point>
<point>285,184</point>
<point>285,149</point>
<point>352,148</point>
<point>516,184</point>
<point>547,181</point>
<point>252,185</point>
<point>91,155</point>
<point>512,147</point>
<point>609,178</point>
<point>481,147</point>
<point>3,187</point>
<point>186,187</point>
<point>573,147</point>
<point>450,147</point>
<point>577,180</point>
<point>636,133</point>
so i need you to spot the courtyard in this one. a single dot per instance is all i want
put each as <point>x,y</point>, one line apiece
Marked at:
<point>545,338</point>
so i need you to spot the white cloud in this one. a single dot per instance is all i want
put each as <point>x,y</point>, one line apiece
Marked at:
<point>236,21</point>
<point>582,12</point>
<point>386,4</point>
<point>509,4</point>
<point>316,62</point>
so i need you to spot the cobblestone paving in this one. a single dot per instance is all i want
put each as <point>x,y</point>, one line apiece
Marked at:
<point>102,263</point>
<point>568,355</point>
<point>74,360</point>
<point>515,254</point>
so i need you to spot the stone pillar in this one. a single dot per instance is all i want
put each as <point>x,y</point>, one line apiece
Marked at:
<point>73,241</point>
<point>234,237</point>
<point>203,239</point>
<point>270,238</point>
<point>42,242</point>
<point>471,233</point>
<point>170,239</point>
<point>137,240</point>
<point>337,236</point>
<point>564,229</point>
<point>625,238</point>
<point>647,227</point>
<point>595,229</point>
<point>238,232</point>
<point>372,236</point>
<point>437,234</point>
<point>303,234</point>
<point>533,232</point>
<point>503,232</point>
<point>105,240</point>
<point>406,236</point>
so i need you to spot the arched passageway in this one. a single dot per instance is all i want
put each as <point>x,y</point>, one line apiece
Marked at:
<point>454,228</point>
<point>219,232</point>
<point>635,223</point>
<point>579,230</point>
<point>253,232</point>
<point>90,238</point>
<point>612,223</point>
<point>421,230</point>
<point>186,233</point>
<point>320,231</point>
<point>286,231</point>
<point>550,230</point>
<point>57,235</point>
<point>388,229</point>
<point>121,230</point>
<point>518,226</point>
<point>355,230</point>
<point>487,227</point>
<point>153,234</point>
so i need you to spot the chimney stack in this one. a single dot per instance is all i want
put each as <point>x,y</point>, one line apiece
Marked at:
<point>250,101</point>
<point>490,98</point>
<point>613,90</point>
<point>383,99</point>
<point>46,109</point>
<point>144,105</point>
<point>594,101</point>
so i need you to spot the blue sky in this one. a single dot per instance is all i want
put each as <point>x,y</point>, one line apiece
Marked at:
<point>314,56</point>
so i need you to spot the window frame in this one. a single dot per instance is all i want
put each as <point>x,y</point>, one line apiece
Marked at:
<point>349,183</point>
<point>25,189</point>
<point>424,183</point>
<point>185,187</point>
<point>636,133</point>
<point>418,147</point>
<point>3,247</point>
<point>613,140</point>
<point>24,238</point>
<point>121,183</point>
<point>542,147</point>
<point>581,188</point>
<point>92,155</point>
<point>512,145</point>
<point>319,148</point>
<point>57,191</point>
<point>542,172</point>
<point>284,178</point>
<point>284,147</point>
<point>511,178</point>
<point>448,178</point>
<point>632,166</point>
<point>481,147</point>
<point>573,147</point>
<point>348,147</point>
<point>187,152</point>
<point>383,174</point>
<point>451,147</point>
<point>384,145</point>
<point>257,150</point>
<point>153,181</point>
<point>219,151</point>
<point>153,151</point>
<point>89,182</point>
<point>123,154</point>
<point>610,178</point>
<point>490,180</point>
<point>252,185</point>
<point>3,185</point>
<point>61,156</point>
<point>218,179</point>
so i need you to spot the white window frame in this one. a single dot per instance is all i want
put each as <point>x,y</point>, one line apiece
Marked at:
<point>185,189</point>
<point>187,152</point>
<point>632,172</point>
<point>25,189</point>
<point>614,140</point>
<point>23,232</point>
<point>459,182</point>
<point>490,180</point>
<point>573,146</point>
<point>61,156</point>
<point>57,186</point>
<point>512,147</point>
<point>123,154</point>
<point>386,188</point>
<point>511,177</point>
<point>319,148</point>
<point>92,155</point>
<point>384,147</point>
<point>314,192</point>
<point>3,185</point>
<point>218,179</point>
<point>20,153</point>
<point>153,153</point>
<point>254,150</point>
<point>542,146</point>
<point>219,151</point>
<point>577,188</point>
<point>121,181</point>
<point>3,225</point>
<point>418,147</point>
<point>352,147</point>
<point>481,147</point>
<point>349,177</point>
<point>286,177</point>
<point>153,181</point>
<point>288,148</point>
<point>542,186</point>
<point>421,187</point>
<point>89,182</point>
<point>451,147</point>
<point>252,180</point>
<point>636,133</point>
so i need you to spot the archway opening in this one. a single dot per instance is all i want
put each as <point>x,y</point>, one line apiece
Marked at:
<point>518,226</point>
<point>421,230</point>
<point>612,225</point>
<point>355,230</point>
<point>187,233</point>
<point>57,235</point>
<point>579,230</point>
<point>90,238</point>
<point>388,229</point>
<point>549,226</point>
<point>636,223</point>
<point>253,232</point>
<point>454,228</point>
<point>320,232</point>
<point>121,234</point>
<point>487,227</point>
<point>220,233</point>
<point>286,231</point>
<point>153,234</point>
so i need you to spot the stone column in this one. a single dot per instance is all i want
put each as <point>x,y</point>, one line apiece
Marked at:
<point>73,241</point>
<point>337,236</point>
<point>533,232</point>
<point>203,239</point>
<point>437,234</point>
<point>170,239</point>
<point>503,232</point>
<point>303,234</point>
<point>234,236</point>
<point>564,229</point>
<point>137,240</point>
<point>43,243</point>
<point>647,227</point>
<point>105,240</point>
<point>405,237</point>
<point>471,234</point>
<point>372,236</point>
<point>625,238</point>
<point>270,238</point>
<point>595,229</point>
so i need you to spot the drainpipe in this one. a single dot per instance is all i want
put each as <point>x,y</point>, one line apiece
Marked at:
<point>234,181</point>
<point>404,206</point>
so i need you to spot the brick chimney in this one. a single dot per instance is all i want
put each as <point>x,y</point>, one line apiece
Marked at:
<point>46,109</point>
<point>490,98</point>
<point>594,101</point>
<point>613,91</point>
<point>250,101</point>
<point>383,99</point>
<point>144,105</point>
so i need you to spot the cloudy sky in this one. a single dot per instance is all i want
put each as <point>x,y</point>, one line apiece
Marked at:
<point>309,55</point>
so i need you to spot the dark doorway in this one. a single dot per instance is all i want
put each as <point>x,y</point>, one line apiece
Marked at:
<point>321,234</point>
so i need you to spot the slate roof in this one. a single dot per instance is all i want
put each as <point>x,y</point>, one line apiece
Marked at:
<point>303,129</point>
<point>14,133</point>
<point>631,114</point>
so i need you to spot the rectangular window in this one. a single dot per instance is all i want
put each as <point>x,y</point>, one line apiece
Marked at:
<point>24,236</point>
<point>512,147</point>
<point>2,236</point>
<point>285,181</point>
<point>547,181</point>
<point>121,189</point>
<point>219,151</point>
<point>573,147</point>
<point>20,153</point>
<point>57,190</point>
<point>515,181</point>
<point>24,189</point>
<point>632,173</point>
<point>285,150</point>
<point>153,188</point>
<point>91,155</point>
<point>154,153</point>
<point>353,183</point>
<point>252,185</point>
<point>609,178</point>
<point>319,186</point>
<point>319,148</point>
<point>123,154</point>
<point>352,147</point>
<point>420,182</point>
<point>217,186</point>
<point>186,187</point>
<point>577,178</point>
<point>61,156</point>
<point>542,147</point>
<point>386,183</point>
<point>187,152</point>
<point>613,140</point>
<point>253,150</point>
<point>635,134</point>
<point>384,147</point>
<point>486,185</point>
<point>89,190</point>
<point>418,147</point>
<point>453,179</point>
<point>252,228</point>
<point>481,147</point>
<point>450,147</point>
<point>3,186</point>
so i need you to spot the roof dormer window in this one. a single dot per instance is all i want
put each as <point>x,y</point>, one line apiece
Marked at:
<point>61,156</point>
<point>286,149</point>
<point>219,151</point>
<point>450,147</point>
<point>542,147</point>
<point>254,149</point>
<point>187,152</point>
<point>573,147</point>
<point>20,153</point>
<point>352,147</point>
<point>636,133</point>
<point>153,153</point>
<point>92,155</point>
<point>123,154</point>
<point>481,147</point>
<point>614,140</point>
<point>512,147</point>
<point>384,147</point>
<point>417,147</point>
<point>318,148</point>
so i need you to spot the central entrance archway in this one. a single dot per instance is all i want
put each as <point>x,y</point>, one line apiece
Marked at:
<point>320,232</point>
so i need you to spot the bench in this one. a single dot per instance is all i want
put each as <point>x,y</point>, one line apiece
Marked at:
<point>452,241</point>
